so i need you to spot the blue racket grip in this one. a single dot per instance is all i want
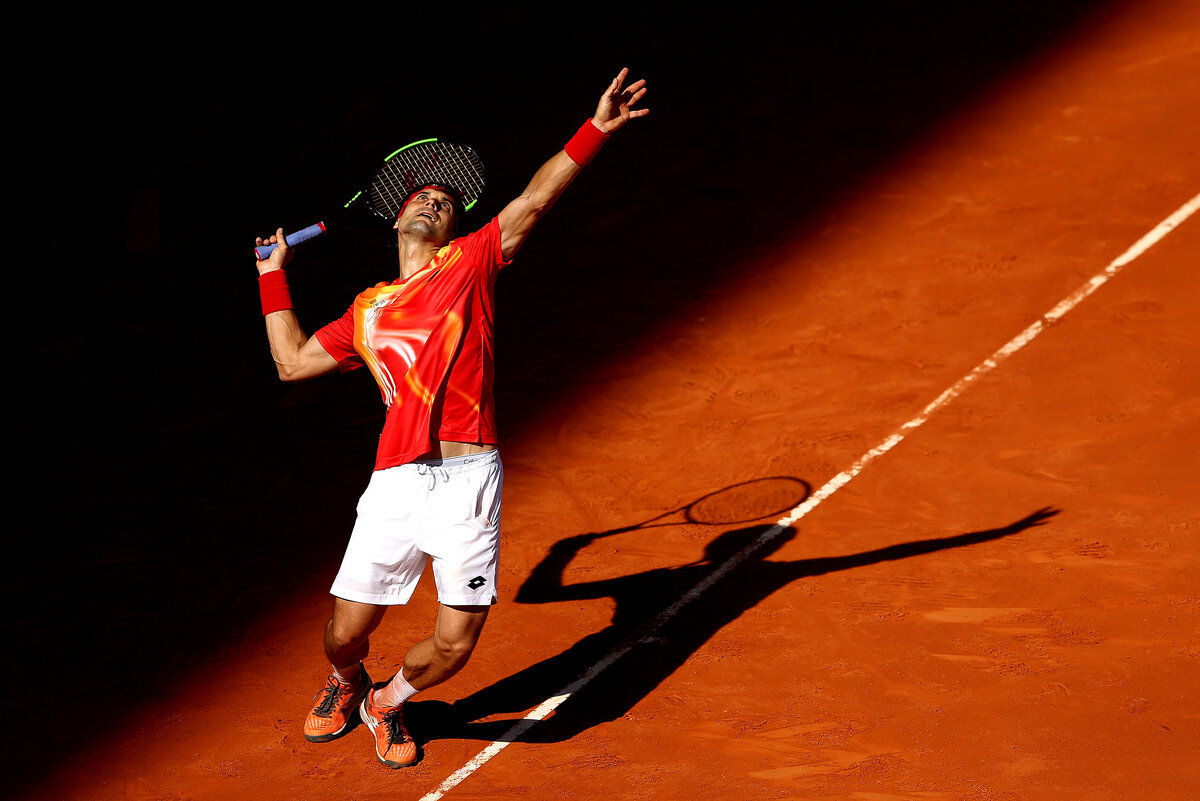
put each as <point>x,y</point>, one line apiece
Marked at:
<point>303,235</point>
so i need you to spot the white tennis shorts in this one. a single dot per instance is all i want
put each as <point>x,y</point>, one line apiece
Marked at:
<point>447,510</point>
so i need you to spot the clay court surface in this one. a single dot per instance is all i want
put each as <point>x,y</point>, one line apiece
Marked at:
<point>1003,606</point>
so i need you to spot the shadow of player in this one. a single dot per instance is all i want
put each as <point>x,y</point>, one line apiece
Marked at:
<point>656,648</point>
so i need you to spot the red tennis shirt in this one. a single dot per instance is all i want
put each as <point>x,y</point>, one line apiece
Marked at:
<point>428,341</point>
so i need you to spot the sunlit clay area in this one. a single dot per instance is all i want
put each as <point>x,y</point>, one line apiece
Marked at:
<point>847,404</point>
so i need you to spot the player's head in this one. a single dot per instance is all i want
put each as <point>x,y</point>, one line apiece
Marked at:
<point>729,543</point>
<point>432,206</point>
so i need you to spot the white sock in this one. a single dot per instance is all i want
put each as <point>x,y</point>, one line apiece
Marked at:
<point>396,693</point>
<point>349,676</point>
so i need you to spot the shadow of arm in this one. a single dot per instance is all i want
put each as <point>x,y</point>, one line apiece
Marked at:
<point>545,582</point>
<point>921,547</point>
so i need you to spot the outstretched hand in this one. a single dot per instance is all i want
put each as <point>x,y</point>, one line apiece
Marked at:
<point>616,104</point>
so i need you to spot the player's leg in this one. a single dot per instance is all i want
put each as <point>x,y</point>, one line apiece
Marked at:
<point>440,656</point>
<point>462,537</point>
<point>348,633</point>
<point>347,642</point>
<point>465,549</point>
<point>429,662</point>
<point>381,568</point>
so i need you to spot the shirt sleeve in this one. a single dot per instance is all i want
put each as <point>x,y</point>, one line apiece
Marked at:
<point>483,247</point>
<point>337,339</point>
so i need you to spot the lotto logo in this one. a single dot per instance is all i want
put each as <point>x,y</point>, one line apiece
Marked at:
<point>477,582</point>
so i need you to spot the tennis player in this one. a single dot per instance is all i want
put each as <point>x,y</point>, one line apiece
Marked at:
<point>436,489</point>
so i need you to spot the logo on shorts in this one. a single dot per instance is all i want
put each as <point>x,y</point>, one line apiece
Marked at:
<point>477,582</point>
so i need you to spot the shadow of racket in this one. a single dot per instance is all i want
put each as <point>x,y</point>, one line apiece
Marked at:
<point>745,502</point>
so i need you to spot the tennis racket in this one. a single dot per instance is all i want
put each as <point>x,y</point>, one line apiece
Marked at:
<point>428,161</point>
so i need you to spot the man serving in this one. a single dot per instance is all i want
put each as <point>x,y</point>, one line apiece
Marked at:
<point>436,487</point>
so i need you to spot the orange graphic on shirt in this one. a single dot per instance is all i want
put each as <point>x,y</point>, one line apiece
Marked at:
<point>407,342</point>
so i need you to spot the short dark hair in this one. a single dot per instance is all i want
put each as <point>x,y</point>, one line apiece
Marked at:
<point>456,197</point>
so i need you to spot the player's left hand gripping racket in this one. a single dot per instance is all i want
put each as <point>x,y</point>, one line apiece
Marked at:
<point>428,161</point>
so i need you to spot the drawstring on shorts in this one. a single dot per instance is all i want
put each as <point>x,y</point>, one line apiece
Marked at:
<point>434,471</point>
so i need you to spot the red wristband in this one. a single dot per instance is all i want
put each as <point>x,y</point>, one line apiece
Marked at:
<point>586,143</point>
<point>273,289</point>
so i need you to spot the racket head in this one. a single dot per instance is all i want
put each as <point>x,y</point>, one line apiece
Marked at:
<point>423,163</point>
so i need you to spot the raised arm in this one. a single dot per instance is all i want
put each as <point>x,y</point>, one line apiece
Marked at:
<point>298,356</point>
<point>551,180</point>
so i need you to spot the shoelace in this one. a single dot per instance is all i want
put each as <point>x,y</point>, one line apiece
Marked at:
<point>395,726</point>
<point>333,691</point>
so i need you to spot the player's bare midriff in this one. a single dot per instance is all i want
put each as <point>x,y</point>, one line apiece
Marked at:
<point>448,450</point>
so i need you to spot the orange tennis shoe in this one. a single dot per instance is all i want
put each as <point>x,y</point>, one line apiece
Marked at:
<point>393,746</point>
<point>333,715</point>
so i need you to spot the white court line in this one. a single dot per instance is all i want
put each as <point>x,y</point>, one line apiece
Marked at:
<point>814,500</point>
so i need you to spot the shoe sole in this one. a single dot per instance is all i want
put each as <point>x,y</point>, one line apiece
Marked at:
<point>366,719</point>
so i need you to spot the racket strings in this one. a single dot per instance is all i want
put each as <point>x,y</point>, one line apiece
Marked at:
<point>422,164</point>
<point>467,174</point>
<point>388,189</point>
